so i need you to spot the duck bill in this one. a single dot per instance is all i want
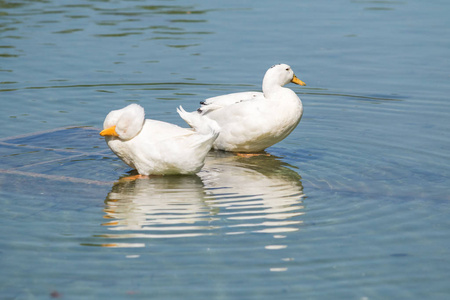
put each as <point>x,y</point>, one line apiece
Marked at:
<point>297,81</point>
<point>111,131</point>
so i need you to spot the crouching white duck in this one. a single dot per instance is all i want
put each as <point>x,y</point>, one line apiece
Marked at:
<point>155,147</point>
<point>253,121</point>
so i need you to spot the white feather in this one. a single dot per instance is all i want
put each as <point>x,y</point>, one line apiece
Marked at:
<point>253,121</point>
<point>158,147</point>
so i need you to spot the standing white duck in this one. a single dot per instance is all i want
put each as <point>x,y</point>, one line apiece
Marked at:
<point>155,147</point>
<point>253,121</point>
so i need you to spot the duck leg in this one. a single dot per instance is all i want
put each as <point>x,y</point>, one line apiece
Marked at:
<point>134,177</point>
<point>247,155</point>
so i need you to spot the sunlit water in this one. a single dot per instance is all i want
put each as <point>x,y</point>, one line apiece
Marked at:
<point>354,204</point>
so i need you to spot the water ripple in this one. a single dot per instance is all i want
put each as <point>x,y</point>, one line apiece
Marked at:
<point>231,194</point>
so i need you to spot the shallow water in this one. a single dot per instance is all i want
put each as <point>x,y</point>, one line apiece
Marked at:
<point>354,204</point>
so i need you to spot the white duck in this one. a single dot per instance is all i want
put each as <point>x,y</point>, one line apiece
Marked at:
<point>155,147</point>
<point>253,121</point>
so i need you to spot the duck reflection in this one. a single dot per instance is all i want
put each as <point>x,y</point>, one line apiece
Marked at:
<point>160,206</point>
<point>233,194</point>
<point>261,193</point>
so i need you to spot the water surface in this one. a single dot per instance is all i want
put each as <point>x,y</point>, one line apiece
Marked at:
<point>354,204</point>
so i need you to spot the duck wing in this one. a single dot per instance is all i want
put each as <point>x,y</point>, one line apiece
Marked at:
<point>219,102</point>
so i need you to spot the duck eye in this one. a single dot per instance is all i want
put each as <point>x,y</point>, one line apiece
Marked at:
<point>287,69</point>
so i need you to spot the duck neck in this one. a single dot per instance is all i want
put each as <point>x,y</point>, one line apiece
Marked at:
<point>270,88</point>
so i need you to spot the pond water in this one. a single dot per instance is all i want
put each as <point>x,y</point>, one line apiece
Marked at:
<point>354,204</point>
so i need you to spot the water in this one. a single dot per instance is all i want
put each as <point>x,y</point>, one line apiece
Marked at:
<point>354,204</point>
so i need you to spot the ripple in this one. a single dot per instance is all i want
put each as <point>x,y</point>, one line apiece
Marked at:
<point>376,145</point>
<point>231,194</point>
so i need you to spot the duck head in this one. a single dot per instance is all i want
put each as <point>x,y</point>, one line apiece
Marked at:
<point>124,123</point>
<point>279,75</point>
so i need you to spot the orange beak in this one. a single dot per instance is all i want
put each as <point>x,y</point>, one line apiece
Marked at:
<point>111,131</point>
<point>297,81</point>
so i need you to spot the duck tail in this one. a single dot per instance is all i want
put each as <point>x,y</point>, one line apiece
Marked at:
<point>199,123</point>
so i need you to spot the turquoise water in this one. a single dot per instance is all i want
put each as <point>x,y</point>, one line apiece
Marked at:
<point>354,204</point>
